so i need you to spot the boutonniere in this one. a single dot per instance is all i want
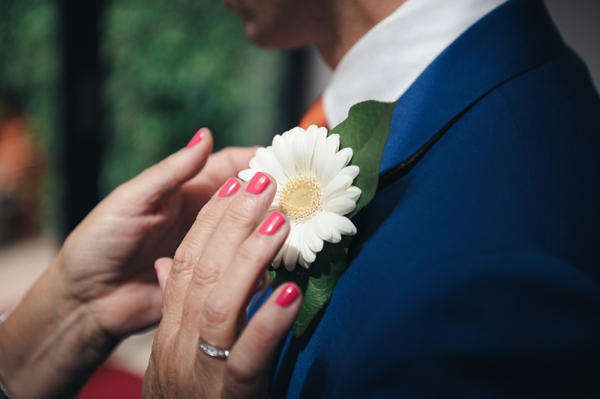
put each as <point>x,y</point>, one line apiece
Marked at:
<point>323,180</point>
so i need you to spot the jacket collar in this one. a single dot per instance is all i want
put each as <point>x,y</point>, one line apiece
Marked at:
<point>516,37</point>
<point>388,59</point>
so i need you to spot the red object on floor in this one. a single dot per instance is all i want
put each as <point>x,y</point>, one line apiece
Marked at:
<point>109,382</point>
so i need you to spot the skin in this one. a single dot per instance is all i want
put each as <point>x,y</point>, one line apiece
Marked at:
<point>102,286</point>
<point>334,26</point>
<point>207,288</point>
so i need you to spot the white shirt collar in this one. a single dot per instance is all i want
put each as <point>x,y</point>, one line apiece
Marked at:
<point>390,57</point>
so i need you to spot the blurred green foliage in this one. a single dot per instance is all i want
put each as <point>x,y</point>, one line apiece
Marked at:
<point>29,77</point>
<point>171,68</point>
<point>29,62</point>
<point>176,66</point>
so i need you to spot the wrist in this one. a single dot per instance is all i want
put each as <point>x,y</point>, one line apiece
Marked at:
<point>50,344</point>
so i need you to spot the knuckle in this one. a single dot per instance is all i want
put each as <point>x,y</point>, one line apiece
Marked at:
<point>185,258</point>
<point>253,256</point>
<point>239,374</point>
<point>216,312</point>
<point>205,276</point>
<point>243,213</point>
<point>262,335</point>
<point>209,215</point>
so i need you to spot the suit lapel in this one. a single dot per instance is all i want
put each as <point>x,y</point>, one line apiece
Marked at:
<point>514,38</point>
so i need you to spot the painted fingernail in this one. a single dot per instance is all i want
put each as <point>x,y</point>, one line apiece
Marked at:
<point>272,224</point>
<point>229,188</point>
<point>259,182</point>
<point>196,139</point>
<point>287,296</point>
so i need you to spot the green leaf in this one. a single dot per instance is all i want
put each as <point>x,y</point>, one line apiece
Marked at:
<point>365,131</point>
<point>317,283</point>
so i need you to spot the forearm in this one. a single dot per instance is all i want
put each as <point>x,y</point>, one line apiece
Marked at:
<point>50,345</point>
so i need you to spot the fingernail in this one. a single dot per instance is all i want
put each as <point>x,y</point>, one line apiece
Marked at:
<point>259,182</point>
<point>229,188</point>
<point>287,296</point>
<point>196,139</point>
<point>272,224</point>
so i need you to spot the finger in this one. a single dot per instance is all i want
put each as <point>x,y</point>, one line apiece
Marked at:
<point>225,163</point>
<point>159,181</point>
<point>220,166</point>
<point>238,222</point>
<point>239,282</point>
<point>192,247</point>
<point>162,266</point>
<point>264,285</point>
<point>253,352</point>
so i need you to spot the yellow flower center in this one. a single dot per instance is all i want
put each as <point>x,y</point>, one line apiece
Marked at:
<point>300,199</point>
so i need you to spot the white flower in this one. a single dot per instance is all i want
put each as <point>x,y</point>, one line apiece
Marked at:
<point>314,190</point>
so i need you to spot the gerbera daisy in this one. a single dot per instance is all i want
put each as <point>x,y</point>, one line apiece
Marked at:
<point>314,190</point>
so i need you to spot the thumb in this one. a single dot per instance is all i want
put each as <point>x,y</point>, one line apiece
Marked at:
<point>163,266</point>
<point>161,180</point>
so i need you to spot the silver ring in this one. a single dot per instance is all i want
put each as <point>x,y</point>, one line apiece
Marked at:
<point>213,351</point>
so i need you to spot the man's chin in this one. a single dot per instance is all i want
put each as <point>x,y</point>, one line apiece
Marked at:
<point>268,39</point>
<point>233,5</point>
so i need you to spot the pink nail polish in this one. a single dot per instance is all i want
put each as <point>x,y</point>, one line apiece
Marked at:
<point>289,294</point>
<point>272,224</point>
<point>229,188</point>
<point>259,182</point>
<point>196,139</point>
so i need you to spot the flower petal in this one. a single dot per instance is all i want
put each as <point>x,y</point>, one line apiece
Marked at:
<point>306,252</point>
<point>351,170</point>
<point>323,229</point>
<point>277,261</point>
<point>335,138</point>
<point>321,137</point>
<point>283,153</point>
<point>303,263</point>
<point>325,151</point>
<point>337,237</point>
<point>339,205</point>
<point>268,163</point>
<point>309,256</point>
<point>335,164</point>
<point>290,134</point>
<point>253,163</point>
<point>341,223</point>
<point>292,250</point>
<point>353,193</point>
<point>298,152</point>
<point>310,149</point>
<point>312,239</point>
<point>338,184</point>
<point>246,174</point>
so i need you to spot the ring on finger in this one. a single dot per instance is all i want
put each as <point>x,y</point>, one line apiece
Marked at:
<point>213,351</point>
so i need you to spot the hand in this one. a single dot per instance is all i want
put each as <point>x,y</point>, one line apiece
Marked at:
<point>207,288</point>
<point>105,263</point>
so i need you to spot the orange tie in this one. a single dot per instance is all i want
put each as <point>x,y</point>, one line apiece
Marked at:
<point>315,115</point>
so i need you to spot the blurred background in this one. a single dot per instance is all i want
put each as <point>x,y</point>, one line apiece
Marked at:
<point>92,92</point>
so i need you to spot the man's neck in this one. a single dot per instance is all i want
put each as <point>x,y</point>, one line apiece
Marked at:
<point>346,22</point>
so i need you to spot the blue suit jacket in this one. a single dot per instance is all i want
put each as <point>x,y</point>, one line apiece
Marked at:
<point>475,272</point>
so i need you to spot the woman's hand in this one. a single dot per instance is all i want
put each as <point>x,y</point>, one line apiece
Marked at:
<point>207,288</point>
<point>102,286</point>
<point>106,262</point>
